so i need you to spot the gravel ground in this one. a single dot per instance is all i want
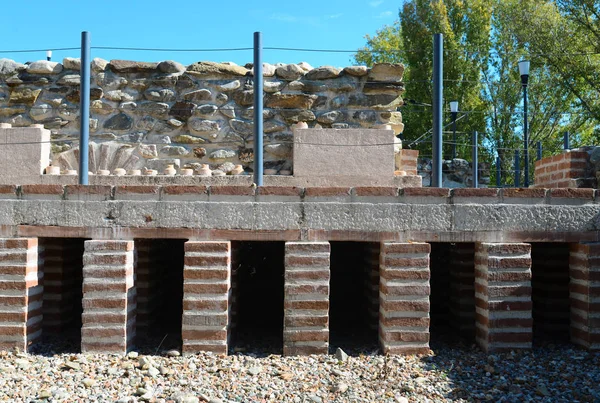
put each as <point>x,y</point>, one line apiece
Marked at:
<point>554,373</point>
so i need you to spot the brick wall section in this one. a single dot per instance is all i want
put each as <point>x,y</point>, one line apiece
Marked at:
<point>206,283</point>
<point>371,267</point>
<point>503,296</point>
<point>461,259</point>
<point>21,290</point>
<point>62,282</point>
<point>404,293</point>
<point>147,281</point>
<point>109,297</point>
<point>550,284</point>
<point>562,170</point>
<point>584,288</point>
<point>408,161</point>
<point>306,299</point>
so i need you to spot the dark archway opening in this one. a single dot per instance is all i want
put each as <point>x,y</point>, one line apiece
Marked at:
<point>354,297</point>
<point>159,286</point>
<point>62,305</point>
<point>550,292</point>
<point>256,297</point>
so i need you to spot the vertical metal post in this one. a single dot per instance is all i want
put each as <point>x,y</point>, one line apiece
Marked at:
<point>539,150</point>
<point>258,110</point>
<point>525,138</point>
<point>438,117</point>
<point>454,134</point>
<point>498,172</point>
<point>566,141</point>
<point>84,100</point>
<point>475,162</point>
<point>517,169</point>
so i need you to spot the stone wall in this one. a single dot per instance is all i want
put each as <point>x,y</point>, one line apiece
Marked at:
<point>456,173</point>
<point>163,113</point>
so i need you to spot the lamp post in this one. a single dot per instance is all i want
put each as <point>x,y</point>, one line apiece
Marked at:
<point>48,55</point>
<point>524,71</point>
<point>454,113</point>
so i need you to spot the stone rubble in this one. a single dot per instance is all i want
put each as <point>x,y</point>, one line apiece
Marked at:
<point>553,373</point>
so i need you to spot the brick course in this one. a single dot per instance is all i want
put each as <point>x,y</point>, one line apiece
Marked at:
<point>462,288</point>
<point>562,170</point>
<point>584,270</point>
<point>108,291</point>
<point>503,296</point>
<point>206,284</point>
<point>306,300</point>
<point>404,297</point>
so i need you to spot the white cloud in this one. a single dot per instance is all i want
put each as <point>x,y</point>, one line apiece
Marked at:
<point>283,17</point>
<point>385,14</point>
<point>375,3</point>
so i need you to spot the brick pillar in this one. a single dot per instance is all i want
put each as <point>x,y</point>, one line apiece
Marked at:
<point>461,259</point>
<point>306,299</point>
<point>62,282</point>
<point>503,296</point>
<point>584,289</point>
<point>109,297</point>
<point>371,267</point>
<point>206,281</point>
<point>146,277</point>
<point>404,298</point>
<point>21,292</point>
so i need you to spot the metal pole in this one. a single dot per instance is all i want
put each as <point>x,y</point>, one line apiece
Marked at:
<point>566,141</point>
<point>498,172</point>
<point>84,100</point>
<point>454,134</point>
<point>539,150</point>
<point>525,138</point>
<point>517,169</point>
<point>258,110</point>
<point>475,162</point>
<point>438,117</point>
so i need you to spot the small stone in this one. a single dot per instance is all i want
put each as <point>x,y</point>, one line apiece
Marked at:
<point>201,126</point>
<point>119,122</point>
<point>130,66</point>
<point>41,112</point>
<point>222,154</point>
<point>153,372</point>
<point>99,64</point>
<point>9,67</point>
<point>254,371</point>
<point>174,151</point>
<point>357,71</point>
<point>290,72</point>
<point>173,353</point>
<point>206,110</point>
<point>542,390</point>
<point>88,383</point>
<point>340,388</point>
<point>70,79</point>
<point>387,72</point>
<point>341,355</point>
<point>72,63</point>
<point>212,68</point>
<point>44,67</point>
<point>323,73</point>
<point>44,394</point>
<point>187,139</point>
<point>170,66</point>
<point>229,86</point>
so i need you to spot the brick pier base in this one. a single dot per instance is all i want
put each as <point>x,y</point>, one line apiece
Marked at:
<point>109,297</point>
<point>206,282</point>
<point>584,268</point>
<point>21,292</point>
<point>461,259</point>
<point>306,300</point>
<point>503,296</point>
<point>404,294</point>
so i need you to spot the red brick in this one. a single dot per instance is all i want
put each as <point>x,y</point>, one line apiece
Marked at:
<point>307,275</point>
<point>226,190</point>
<point>93,317</point>
<point>431,192</point>
<point>392,247</point>
<point>18,243</point>
<point>326,191</point>
<point>503,249</point>
<point>306,261</point>
<point>101,246</point>
<point>107,259</point>
<point>509,276</point>
<point>42,189</point>
<point>405,262</point>
<point>120,303</point>
<point>510,337</point>
<point>305,335</point>
<point>279,191</point>
<point>193,334</point>
<point>291,289</point>
<point>404,274</point>
<point>472,192</point>
<point>404,322</point>
<point>316,305</point>
<point>8,189</point>
<point>120,286</point>
<point>301,321</point>
<point>503,263</point>
<point>304,350</point>
<point>137,189</point>
<point>184,189</point>
<point>205,274</point>
<point>397,290</point>
<point>209,247</point>
<point>207,260</point>
<point>404,336</point>
<point>375,191</point>
<point>103,332</point>
<point>587,275</point>
<point>405,350</point>
<point>307,247</point>
<point>404,306</point>
<point>209,288</point>
<point>192,305</point>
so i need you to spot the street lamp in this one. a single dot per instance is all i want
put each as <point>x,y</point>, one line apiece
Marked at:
<point>454,112</point>
<point>48,55</point>
<point>524,71</point>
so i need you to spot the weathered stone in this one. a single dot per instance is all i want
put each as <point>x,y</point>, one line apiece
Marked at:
<point>163,81</point>
<point>174,151</point>
<point>305,66</point>
<point>246,155</point>
<point>119,122</point>
<point>132,137</point>
<point>19,121</point>
<point>279,150</point>
<point>170,66</point>
<point>241,126</point>
<point>221,98</point>
<point>72,63</point>
<point>44,67</point>
<point>201,126</point>
<point>159,95</point>
<point>357,71</point>
<point>222,154</point>
<point>365,116</point>
<point>199,152</point>
<point>329,117</point>
<point>119,96</point>
<point>212,68</point>
<point>273,126</point>
<point>322,73</point>
<point>268,69</point>
<point>198,95</point>
<point>12,110</point>
<point>68,112</point>
<point>74,97</point>
<point>228,110</point>
<point>108,81</point>
<point>175,123</point>
<point>128,106</point>
<point>391,72</point>
<point>182,110</point>
<point>244,98</point>
<point>99,64</point>
<point>54,123</point>
<point>229,86</point>
<point>69,79</point>
<point>25,96</point>
<point>41,112</point>
<point>184,82</point>
<point>130,66</point>
<point>147,150</point>
<point>206,110</point>
<point>383,88</point>
<point>391,117</point>
<point>147,123</point>
<point>93,124</point>
<point>248,113</point>
<point>187,139</point>
<point>290,72</point>
<point>9,67</point>
<point>158,110</point>
<point>273,86</point>
<point>101,107</point>
<point>105,136</point>
<point>139,84</point>
<point>302,101</point>
<point>297,115</point>
<point>379,101</point>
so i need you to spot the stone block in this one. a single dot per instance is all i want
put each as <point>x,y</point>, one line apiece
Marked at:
<point>26,151</point>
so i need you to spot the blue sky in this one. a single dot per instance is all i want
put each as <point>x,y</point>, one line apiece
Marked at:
<point>200,24</point>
